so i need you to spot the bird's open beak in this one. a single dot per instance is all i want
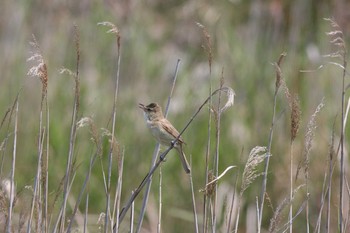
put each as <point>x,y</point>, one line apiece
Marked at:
<point>142,107</point>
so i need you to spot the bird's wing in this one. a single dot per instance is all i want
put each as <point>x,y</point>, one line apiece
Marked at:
<point>171,129</point>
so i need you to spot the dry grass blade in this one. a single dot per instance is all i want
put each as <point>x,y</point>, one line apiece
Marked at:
<point>230,94</point>
<point>216,179</point>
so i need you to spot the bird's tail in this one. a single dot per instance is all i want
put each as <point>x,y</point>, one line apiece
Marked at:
<point>183,159</point>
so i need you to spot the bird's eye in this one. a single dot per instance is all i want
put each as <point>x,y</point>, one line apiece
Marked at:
<point>151,105</point>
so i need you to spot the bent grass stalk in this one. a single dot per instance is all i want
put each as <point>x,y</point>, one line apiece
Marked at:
<point>155,153</point>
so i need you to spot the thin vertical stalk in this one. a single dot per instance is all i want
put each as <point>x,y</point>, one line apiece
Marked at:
<point>12,181</point>
<point>9,111</point>
<point>160,201</point>
<point>217,154</point>
<point>342,165</point>
<point>208,49</point>
<point>110,155</point>
<point>86,212</point>
<point>291,189</point>
<point>38,172</point>
<point>195,217</point>
<point>39,71</point>
<point>119,190</point>
<point>231,206</point>
<point>307,202</point>
<point>329,195</point>
<point>46,184</point>
<point>132,214</point>
<point>206,173</point>
<point>72,136</point>
<point>257,213</point>
<point>69,160</point>
<point>267,160</point>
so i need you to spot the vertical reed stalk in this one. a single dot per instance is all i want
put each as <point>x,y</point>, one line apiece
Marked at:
<point>208,49</point>
<point>217,147</point>
<point>291,188</point>
<point>13,166</point>
<point>194,209</point>
<point>113,140</point>
<point>160,201</point>
<point>267,160</point>
<point>40,71</point>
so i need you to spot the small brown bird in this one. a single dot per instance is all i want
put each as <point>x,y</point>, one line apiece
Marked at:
<point>163,130</point>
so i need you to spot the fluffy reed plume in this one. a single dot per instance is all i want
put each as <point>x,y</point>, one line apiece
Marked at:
<point>294,105</point>
<point>39,70</point>
<point>113,30</point>
<point>309,136</point>
<point>337,39</point>
<point>256,156</point>
<point>88,121</point>
<point>208,45</point>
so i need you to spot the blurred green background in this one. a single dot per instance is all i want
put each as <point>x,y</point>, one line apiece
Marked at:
<point>247,36</point>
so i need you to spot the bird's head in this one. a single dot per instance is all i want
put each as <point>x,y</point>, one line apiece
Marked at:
<point>152,111</point>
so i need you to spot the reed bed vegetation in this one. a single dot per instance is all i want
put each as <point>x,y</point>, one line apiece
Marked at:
<point>259,92</point>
